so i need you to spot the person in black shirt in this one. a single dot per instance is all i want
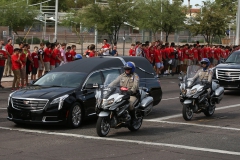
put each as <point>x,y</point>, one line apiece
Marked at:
<point>40,60</point>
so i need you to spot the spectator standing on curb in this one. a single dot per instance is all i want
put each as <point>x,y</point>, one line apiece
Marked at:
<point>132,51</point>
<point>73,51</point>
<point>114,51</point>
<point>8,63</point>
<point>106,48</point>
<point>69,56</point>
<point>92,51</point>
<point>63,53</point>
<point>158,60</point>
<point>40,60</point>
<point>23,59</point>
<point>3,57</point>
<point>16,66</point>
<point>34,56</point>
<point>47,57</point>
<point>29,61</point>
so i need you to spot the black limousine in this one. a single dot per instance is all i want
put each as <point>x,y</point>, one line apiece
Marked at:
<point>66,94</point>
<point>228,73</point>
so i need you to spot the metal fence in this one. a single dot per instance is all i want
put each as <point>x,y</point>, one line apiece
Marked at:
<point>123,45</point>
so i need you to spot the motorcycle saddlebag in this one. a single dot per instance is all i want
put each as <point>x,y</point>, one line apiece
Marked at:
<point>218,94</point>
<point>146,105</point>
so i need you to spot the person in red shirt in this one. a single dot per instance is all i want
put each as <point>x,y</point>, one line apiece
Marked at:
<point>23,59</point>
<point>3,57</point>
<point>34,56</point>
<point>158,60</point>
<point>195,54</point>
<point>16,66</point>
<point>217,54</point>
<point>185,58</point>
<point>8,65</point>
<point>190,55</point>
<point>69,56</point>
<point>106,48</point>
<point>73,51</point>
<point>92,51</point>
<point>47,57</point>
<point>132,51</point>
<point>172,56</point>
<point>55,55</point>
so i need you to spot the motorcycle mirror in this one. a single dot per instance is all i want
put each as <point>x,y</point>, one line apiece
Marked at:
<point>180,78</point>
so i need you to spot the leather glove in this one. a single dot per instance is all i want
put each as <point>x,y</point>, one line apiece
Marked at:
<point>129,92</point>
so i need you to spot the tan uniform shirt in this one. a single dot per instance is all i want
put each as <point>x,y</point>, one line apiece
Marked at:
<point>129,81</point>
<point>204,75</point>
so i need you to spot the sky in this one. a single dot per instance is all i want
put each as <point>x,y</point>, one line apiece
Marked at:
<point>193,2</point>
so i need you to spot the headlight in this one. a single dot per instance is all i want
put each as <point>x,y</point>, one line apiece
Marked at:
<point>10,96</point>
<point>193,91</point>
<point>60,101</point>
<point>110,101</point>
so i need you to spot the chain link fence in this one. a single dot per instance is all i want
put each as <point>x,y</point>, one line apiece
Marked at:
<point>123,44</point>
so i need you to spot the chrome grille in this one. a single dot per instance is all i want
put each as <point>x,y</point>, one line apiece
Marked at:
<point>29,103</point>
<point>228,74</point>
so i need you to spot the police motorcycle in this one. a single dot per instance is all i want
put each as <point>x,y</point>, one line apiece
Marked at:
<point>194,95</point>
<point>112,107</point>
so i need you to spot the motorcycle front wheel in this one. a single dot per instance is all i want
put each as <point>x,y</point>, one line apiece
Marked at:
<point>103,126</point>
<point>187,112</point>
<point>209,111</point>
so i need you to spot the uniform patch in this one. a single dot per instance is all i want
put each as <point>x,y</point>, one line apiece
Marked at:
<point>136,77</point>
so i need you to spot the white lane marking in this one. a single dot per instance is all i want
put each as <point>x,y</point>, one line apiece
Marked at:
<point>169,98</point>
<point>199,125</point>
<point>127,141</point>
<point>180,115</point>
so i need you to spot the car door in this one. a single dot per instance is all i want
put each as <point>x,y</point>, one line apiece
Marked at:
<point>89,94</point>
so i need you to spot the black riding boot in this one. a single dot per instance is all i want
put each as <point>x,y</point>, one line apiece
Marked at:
<point>132,114</point>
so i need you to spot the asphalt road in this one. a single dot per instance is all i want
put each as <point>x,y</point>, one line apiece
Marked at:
<point>164,135</point>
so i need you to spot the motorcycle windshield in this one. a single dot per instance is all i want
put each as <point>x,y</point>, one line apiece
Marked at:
<point>105,91</point>
<point>192,70</point>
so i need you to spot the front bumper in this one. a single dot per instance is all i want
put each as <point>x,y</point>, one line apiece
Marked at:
<point>53,116</point>
<point>230,85</point>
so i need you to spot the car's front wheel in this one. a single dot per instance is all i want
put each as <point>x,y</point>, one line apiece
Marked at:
<point>75,116</point>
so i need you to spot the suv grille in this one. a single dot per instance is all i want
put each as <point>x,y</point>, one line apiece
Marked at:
<point>29,104</point>
<point>228,74</point>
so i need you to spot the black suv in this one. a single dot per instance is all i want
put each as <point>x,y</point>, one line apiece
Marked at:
<point>228,73</point>
<point>66,94</point>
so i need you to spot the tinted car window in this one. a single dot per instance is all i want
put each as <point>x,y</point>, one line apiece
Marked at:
<point>95,78</point>
<point>112,71</point>
<point>233,58</point>
<point>63,79</point>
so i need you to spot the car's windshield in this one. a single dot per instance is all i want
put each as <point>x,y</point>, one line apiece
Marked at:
<point>61,79</point>
<point>233,58</point>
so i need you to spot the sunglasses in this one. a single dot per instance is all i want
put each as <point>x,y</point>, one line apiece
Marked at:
<point>128,69</point>
<point>203,63</point>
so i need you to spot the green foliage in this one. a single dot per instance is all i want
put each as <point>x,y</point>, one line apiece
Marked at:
<point>151,18</point>
<point>33,40</point>
<point>16,15</point>
<point>20,39</point>
<point>212,22</point>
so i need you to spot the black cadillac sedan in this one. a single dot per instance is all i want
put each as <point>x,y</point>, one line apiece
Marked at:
<point>67,94</point>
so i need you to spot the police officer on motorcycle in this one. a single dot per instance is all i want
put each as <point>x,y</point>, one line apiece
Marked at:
<point>130,80</point>
<point>205,74</point>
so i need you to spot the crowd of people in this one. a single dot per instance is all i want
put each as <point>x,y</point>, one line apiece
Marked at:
<point>20,62</point>
<point>165,58</point>
<point>172,59</point>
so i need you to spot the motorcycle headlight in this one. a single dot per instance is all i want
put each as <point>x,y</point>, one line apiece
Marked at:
<point>59,101</point>
<point>193,91</point>
<point>110,101</point>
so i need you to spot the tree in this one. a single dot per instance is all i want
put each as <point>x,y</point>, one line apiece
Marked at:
<point>17,15</point>
<point>211,22</point>
<point>169,20</point>
<point>107,18</point>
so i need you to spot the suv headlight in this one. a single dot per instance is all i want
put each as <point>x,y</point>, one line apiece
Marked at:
<point>59,101</point>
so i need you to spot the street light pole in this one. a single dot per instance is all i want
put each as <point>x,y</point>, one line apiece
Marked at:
<point>238,25</point>
<point>161,22</point>
<point>56,21</point>
<point>95,33</point>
